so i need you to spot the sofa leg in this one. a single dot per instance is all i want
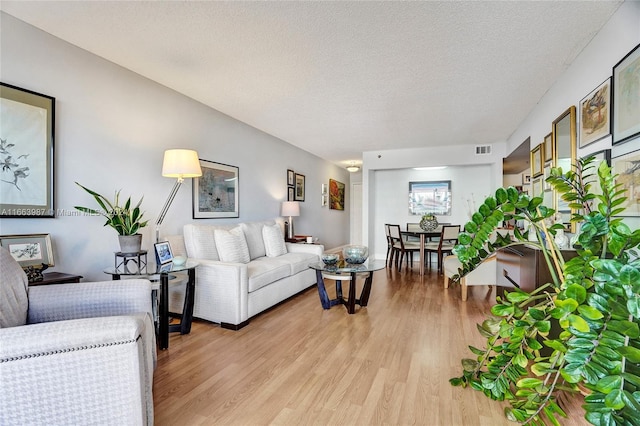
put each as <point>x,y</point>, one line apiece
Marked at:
<point>234,327</point>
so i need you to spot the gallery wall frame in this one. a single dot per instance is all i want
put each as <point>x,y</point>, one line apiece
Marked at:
<point>624,160</point>
<point>626,100</point>
<point>291,193</point>
<point>216,193</point>
<point>537,160</point>
<point>299,187</point>
<point>29,249</point>
<point>430,197</point>
<point>291,180</point>
<point>27,152</point>
<point>336,195</point>
<point>548,148</point>
<point>595,115</point>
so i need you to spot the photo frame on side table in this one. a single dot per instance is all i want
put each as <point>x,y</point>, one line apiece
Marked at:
<point>626,99</point>
<point>624,161</point>
<point>216,192</point>
<point>29,249</point>
<point>26,151</point>
<point>163,252</point>
<point>595,115</point>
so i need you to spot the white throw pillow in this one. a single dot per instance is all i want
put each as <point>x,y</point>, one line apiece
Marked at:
<point>273,240</point>
<point>231,245</point>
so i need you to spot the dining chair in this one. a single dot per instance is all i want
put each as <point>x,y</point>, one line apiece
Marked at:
<point>389,257</point>
<point>401,247</point>
<point>412,227</point>
<point>448,240</point>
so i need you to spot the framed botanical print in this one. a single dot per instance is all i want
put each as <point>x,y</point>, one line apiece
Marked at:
<point>626,97</point>
<point>215,193</point>
<point>29,249</point>
<point>537,162</point>
<point>299,187</point>
<point>291,181</point>
<point>595,113</point>
<point>26,152</point>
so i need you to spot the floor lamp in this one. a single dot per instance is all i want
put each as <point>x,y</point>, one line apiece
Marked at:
<point>180,164</point>
<point>291,209</point>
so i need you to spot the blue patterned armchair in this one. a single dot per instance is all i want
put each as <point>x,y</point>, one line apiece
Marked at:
<point>75,353</point>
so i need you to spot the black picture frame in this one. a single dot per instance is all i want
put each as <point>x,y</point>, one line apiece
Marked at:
<point>625,114</point>
<point>163,252</point>
<point>291,179</point>
<point>27,144</point>
<point>216,193</point>
<point>291,193</point>
<point>595,115</point>
<point>299,187</point>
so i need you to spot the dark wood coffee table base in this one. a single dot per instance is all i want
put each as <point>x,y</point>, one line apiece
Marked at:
<point>351,301</point>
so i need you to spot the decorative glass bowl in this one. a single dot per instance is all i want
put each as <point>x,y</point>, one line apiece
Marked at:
<point>355,254</point>
<point>330,258</point>
<point>179,260</point>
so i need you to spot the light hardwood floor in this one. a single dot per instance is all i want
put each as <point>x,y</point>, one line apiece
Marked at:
<point>389,363</point>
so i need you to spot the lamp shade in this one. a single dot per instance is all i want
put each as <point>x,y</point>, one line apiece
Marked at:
<point>181,163</point>
<point>290,208</point>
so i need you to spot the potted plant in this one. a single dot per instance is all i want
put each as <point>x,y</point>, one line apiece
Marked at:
<point>428,222</point>
<point>587,318</point>
<point>126,220</point>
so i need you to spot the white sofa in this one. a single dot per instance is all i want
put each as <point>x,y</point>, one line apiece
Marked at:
<point>233,286</point>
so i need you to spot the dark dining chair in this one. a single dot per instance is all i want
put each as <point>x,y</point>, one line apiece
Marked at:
<point>387,233</point>
<point>401,247</point>
<point>448,240</point>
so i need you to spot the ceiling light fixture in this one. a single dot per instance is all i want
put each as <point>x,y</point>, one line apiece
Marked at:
<point>430,168</point>
<point>353,168</point>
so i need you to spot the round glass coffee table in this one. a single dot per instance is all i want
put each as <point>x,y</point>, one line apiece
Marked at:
<point>160,273</point>
<point>343,271</point>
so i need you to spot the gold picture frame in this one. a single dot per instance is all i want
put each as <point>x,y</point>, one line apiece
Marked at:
<point>537,161</point>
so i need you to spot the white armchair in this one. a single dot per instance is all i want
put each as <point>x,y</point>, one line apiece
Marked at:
<point>484,274</point>
<point>75,353</point>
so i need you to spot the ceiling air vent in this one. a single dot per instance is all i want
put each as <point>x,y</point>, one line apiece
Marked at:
<point>483,149</point>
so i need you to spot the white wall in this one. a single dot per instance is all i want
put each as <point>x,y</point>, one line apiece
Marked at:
<point>391,203</point>
<point>112,127</point>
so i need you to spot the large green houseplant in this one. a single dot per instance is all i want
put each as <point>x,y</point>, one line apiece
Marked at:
<point>125,219</point>
<point>586,320</point>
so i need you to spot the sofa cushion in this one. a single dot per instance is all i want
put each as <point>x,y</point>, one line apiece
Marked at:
<point>273,240</point>
<point>231,245</point>
<point>200,242</point>
<point>299,262</point>
<point>13,292</point>
<point>253,235</point>
<point>266,270</point>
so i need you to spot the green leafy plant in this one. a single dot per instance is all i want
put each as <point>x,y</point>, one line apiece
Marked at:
<point>578,333</point>
<point>428,216</point>
<point>124,219</point>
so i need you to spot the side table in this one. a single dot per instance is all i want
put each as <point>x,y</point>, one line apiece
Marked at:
<point>161,272</point>
<point>57,278</point>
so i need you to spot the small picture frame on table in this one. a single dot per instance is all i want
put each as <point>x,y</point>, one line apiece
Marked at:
<point>163,252</point>
<point>29,249</point>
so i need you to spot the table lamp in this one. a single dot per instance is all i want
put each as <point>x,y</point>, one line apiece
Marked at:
<point>291,209</point>
<point>180,164</point>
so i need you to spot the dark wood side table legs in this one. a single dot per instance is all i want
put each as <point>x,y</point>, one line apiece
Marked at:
<point>351,302</point>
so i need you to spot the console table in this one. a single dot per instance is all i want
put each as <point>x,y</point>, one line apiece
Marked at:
<point>155,273</point>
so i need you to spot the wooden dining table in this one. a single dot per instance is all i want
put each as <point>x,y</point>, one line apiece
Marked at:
<point>423,235</point>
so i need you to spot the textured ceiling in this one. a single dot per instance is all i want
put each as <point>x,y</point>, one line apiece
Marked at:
<point>339,78</point>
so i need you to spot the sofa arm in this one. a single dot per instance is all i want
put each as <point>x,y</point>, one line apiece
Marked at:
<point>93,370</point>
<point>89,299</point>
<point>316,249</point>
<point>222,291</point>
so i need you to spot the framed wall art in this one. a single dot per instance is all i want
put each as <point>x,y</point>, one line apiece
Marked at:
<point>299,188</point>
<point>216,192</point>
<point>430,197</point>
<point>291,180</point>
<point>537,160</point>
<point>29,250</point>
<point>548,148</point>
<point>626,97</point>
<point>336,195</point>
<point>291,193</point>
<point>26,152</point>
<point>595,115</point>
<point>624,163</point>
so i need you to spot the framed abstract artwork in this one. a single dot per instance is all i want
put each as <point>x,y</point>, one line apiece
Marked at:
<point>336,195</point>
<point>430,197</point>
<point>299,187</point>
<point>595,115</point>
<point>29,250</point>
<point>626,97</point>
<point>26,152</point>
<point>215,193</point>
<point>624,163</point>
